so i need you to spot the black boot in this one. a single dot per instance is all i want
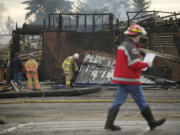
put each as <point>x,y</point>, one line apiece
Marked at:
<point>112,113</point>
<point>147,114</point>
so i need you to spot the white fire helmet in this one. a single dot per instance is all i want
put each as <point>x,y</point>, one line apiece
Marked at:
<point>144,33</point>
<point>76,55</point>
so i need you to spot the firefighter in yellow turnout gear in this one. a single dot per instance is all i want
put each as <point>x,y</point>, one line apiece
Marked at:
<point>31,67</point>
<point>68,65</point>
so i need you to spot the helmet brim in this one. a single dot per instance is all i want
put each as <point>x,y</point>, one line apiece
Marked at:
<point>130,33</point>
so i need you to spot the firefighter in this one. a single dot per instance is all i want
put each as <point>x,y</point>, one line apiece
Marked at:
<point>127,75</point>
<point>69,65</point>
<point>31,67</point>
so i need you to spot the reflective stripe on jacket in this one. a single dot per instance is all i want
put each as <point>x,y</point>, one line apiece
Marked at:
<point>31,67</point>
<point>128,65</point>
<point>69,64</point>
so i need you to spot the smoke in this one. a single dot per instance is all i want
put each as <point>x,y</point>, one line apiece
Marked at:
<point>40,9</point>
<point>116,7</point>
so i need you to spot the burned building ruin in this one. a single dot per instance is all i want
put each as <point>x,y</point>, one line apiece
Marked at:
<point>63,35</point>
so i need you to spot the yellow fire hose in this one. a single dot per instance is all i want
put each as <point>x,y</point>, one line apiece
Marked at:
<point>77,101</point>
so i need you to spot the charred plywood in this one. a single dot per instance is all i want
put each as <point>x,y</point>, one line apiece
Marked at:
<point>99,69</point>
<point>51,56</point>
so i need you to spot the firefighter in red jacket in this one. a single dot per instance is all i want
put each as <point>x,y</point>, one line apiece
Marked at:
<point>127,73</point>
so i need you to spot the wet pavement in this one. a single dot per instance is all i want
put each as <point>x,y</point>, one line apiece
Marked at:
<point>76,117</point>
<point>136,127</point>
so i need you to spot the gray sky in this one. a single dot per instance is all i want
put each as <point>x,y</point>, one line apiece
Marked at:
<point>16,10</point>
<point>166,5</point>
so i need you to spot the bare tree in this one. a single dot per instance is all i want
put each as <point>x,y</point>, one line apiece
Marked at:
<point>142,4</point>
<point>41,8</point>
<point>2,10</point>
<point>10,24</point>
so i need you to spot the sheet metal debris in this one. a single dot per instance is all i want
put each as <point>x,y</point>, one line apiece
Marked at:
<point>95,69</point>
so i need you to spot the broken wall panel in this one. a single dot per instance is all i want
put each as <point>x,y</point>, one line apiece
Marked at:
<point>96,69</point>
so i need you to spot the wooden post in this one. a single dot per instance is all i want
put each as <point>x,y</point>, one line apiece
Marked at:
<point>93,22</point>
<point>110,22</point>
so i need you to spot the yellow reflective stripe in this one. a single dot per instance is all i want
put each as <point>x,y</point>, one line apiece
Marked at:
<point>68,82</point>
<point>126,79</point>
<point>67,69</point>
<point>66,66</point>
<point>67,62</point>
<point>135,30</point>
<point>31,69</point>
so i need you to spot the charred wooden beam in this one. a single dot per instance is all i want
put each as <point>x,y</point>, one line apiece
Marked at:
<point>171,58</point>
<point>37,55</point>
<point>81,14</point>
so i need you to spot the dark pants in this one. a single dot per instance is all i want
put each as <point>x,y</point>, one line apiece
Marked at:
<point>17,78</point>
